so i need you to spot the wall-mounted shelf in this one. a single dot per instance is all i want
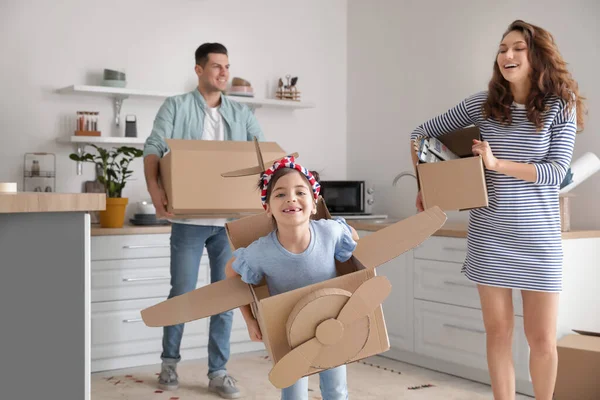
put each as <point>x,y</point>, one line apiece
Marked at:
<point>120,94</point>
<point>123,141</point>
<point>82,141</point>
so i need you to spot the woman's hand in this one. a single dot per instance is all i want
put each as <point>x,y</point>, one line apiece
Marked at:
<point>254,330</point>
<point>419,202</point>
<point>482,148</point>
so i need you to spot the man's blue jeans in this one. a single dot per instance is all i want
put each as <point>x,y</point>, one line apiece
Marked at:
<point>187,245</point>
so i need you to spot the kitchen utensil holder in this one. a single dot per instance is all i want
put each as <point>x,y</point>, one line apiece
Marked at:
<point>288,94</point>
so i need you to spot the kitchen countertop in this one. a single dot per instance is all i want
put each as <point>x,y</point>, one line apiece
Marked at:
<point>30,202</point>
<point>459,230</point>
<point>129,229</point>
<point>450,229</point>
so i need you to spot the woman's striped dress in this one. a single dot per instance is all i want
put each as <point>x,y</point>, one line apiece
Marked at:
<point>515,242</point>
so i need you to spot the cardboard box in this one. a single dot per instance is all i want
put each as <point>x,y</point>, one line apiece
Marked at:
<point>578,367</point>
<point>453,185</point>
<point>191,173</point>
<point>315,327</point>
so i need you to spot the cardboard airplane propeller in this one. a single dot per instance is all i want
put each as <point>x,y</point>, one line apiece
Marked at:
<point>316,327</point>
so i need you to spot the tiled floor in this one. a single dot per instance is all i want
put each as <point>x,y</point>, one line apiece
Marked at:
<point>376,378</point>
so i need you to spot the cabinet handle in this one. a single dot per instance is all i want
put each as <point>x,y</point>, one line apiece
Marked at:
<point>128,321</point>
<point>145,246</point>
<point>467,285</point>
<point>149,278</point>
<point>455,249</point>
<point>462,328</point>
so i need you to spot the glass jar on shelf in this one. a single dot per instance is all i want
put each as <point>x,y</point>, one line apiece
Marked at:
<point>35,168</point>
<point>39,172</point>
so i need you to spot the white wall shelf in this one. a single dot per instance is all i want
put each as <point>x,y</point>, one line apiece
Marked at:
<point>120,94</point>
<point>123,141</point>
<point>82,141</point>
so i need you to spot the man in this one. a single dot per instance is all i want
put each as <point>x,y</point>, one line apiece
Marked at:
<point>203,114</point>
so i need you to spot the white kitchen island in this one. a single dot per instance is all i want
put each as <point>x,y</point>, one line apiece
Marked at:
<point>45,275</point>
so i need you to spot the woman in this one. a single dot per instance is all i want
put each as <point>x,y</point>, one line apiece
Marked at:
<point>528,119</point>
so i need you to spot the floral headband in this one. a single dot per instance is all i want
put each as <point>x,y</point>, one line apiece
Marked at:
<point>287,162</point>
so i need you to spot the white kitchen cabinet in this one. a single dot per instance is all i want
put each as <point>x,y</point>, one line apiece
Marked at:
<point>445,313</point>
<point>133,278</point>
<point>130,273</point>
<point>456,334</point>
<point>398,307</point>
<point>119,247</point>
<point>443,282</point>
<point>118,330</point>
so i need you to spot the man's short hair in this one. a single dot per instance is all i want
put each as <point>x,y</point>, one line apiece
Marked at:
<point>206,48</point>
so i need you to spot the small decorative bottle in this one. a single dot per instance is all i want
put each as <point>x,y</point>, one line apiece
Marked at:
<point>35,168</point>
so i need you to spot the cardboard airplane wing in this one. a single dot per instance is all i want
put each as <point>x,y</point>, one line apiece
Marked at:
<point>393,240</point>
<point>203,302</point>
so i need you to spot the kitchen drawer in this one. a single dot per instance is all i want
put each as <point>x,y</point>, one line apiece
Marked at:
<point>116,247</point>
<point>136,278</point>
<point>118,330</point>
<point>443,282</point>
<point>456,334</point>
<point>442,249</point>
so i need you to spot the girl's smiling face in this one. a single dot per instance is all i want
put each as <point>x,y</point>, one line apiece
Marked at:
<point>291,201</point>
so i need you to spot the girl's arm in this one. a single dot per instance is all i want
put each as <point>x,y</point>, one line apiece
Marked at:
<point>230,273</point>
<point>354,234</point>
<point>251,322</point>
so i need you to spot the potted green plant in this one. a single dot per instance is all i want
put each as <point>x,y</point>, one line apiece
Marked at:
<point>113,168</point>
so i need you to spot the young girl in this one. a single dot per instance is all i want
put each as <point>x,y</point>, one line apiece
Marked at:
<point>297,253</point>
<point>527,119</point>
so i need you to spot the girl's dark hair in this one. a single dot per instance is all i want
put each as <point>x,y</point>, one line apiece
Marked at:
<point>282,172</point>
<point>549,76</point>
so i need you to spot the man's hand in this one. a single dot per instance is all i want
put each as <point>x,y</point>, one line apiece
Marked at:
<point>159,200</point>
<point>254,330</point>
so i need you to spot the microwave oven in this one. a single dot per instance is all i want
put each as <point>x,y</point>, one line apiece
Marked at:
<point>348,197</point>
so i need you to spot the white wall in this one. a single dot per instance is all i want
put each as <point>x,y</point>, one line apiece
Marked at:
<point>48,45</point>
<point>411,60</point>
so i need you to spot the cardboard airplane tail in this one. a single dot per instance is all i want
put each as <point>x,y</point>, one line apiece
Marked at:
<point>257,170</point>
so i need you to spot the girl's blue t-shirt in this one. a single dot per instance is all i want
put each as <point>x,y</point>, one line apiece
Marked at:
<point>330,240</point>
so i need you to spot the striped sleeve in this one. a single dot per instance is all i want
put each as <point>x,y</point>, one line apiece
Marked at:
<point>553,169</point>
<point>468,112</point>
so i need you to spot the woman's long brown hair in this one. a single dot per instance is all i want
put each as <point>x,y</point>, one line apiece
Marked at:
<point>549,76</point>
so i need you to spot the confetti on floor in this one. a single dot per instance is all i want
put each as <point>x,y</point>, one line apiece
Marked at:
<point>380,367</point>
<point>420,387</point>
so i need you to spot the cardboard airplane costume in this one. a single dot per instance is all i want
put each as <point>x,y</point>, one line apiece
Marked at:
<point>316,327</point>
